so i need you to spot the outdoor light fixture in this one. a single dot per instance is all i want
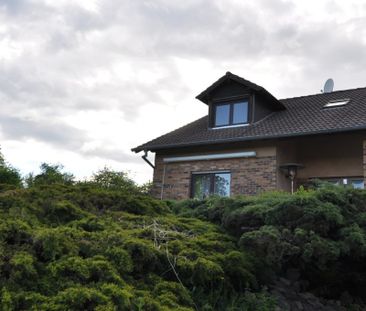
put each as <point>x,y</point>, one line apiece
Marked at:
<point>290,170</point>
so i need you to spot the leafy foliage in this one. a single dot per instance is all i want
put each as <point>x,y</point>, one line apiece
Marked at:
<point>10,177</point>
<point>319,233</point>
<point>105,245</point>
<point>50,174</point>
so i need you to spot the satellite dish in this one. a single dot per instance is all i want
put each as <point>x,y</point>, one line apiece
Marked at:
<point>328,86</point>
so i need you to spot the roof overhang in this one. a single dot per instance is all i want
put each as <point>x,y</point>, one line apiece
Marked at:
<point>248,138</point>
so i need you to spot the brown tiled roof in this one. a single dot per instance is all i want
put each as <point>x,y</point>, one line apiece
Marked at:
<point>303,115</point>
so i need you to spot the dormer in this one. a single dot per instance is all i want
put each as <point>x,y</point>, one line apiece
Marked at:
<point>233,101</point>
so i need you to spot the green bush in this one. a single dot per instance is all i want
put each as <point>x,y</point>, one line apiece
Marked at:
<point>92,246</point>
<point>50,174</point>
<point>10,177</point>
<point>78,298</point>
<point>321,233</point>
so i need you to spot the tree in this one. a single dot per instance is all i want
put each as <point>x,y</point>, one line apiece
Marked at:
<point>8,174</point>
<point>50,174</point>
<point>109,179</point>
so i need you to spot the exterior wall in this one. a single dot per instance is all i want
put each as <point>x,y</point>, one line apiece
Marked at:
<point>324,156</point>
<point>248,175</point>
<point>286,153</point>
<point>336,156</point>
<point>261,108</point>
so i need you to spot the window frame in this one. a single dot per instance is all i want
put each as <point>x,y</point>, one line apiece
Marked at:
<point>229,101</point>
<point>212,175</point>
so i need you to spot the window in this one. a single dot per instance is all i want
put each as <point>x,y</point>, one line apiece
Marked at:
<point>206,184</point>
<point>336,103</point>
<point>356,183</point>
<point>233,113</point>
<point>222,115</point>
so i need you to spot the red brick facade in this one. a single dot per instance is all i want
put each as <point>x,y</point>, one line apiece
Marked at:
<point>248,175</point>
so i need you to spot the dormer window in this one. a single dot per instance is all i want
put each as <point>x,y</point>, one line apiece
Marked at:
<point>231,113</point>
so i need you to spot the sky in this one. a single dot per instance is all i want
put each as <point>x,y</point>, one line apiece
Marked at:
<point>82,82</point>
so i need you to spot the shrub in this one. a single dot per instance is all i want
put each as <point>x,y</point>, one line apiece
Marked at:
<point>22,267</point>
<point>120,297</point>
<point>51,244</point>
<point>6,303</point>
<point>78,298</point>
<point>321,233</point>
<point>83,246</point>
<point>50,174</point>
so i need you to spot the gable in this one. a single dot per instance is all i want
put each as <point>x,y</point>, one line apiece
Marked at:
<point>235,84</point>
<point>229,88</point>
<point>234,89</point>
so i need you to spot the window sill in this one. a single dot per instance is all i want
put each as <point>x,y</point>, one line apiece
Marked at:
<point>229,126</point>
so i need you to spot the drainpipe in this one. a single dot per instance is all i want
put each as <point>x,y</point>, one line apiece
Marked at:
<point>144,157</point>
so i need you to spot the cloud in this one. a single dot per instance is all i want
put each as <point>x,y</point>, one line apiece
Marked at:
<point>12,6</point>
<point>51,132</point>
<point>113,154</point>
<point>98,77</point>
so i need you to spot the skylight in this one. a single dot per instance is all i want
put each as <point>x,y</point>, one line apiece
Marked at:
<point>336,103</point>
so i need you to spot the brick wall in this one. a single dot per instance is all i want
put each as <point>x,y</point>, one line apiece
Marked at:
<point>248,175</point>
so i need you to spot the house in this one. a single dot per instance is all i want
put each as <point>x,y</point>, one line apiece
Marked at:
<point>251,142</point>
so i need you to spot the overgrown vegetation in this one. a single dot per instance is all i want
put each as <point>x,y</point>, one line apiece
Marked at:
<point>106,245</point>
<point>318,236</point>
<point>10,177</point>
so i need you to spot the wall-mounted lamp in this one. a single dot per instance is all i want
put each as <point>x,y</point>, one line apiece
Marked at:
<point>290,170</point>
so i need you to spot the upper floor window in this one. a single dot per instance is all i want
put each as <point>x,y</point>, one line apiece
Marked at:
<point>232,113</point>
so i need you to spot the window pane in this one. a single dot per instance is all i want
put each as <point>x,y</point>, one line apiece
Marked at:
<point>357,184</point>
<point>201,186</point>
<point>240,114</point>
<point>222,116</point>
<point>222,184</point>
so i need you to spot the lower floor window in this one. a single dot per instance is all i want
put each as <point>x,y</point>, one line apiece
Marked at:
<point>206,184</point>
<point>356,183</point>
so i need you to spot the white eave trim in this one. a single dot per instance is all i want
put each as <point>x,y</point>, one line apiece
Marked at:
<point>229,126</point>
<point>216,156</point>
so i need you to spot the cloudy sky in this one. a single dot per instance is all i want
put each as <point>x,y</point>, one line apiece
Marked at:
<point>82,82</point>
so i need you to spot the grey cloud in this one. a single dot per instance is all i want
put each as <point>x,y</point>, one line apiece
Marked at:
<point>12,6</point>
<point>54,133</point>
<point>198,28</point>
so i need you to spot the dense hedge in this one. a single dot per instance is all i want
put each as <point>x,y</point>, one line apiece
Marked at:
<point>318,236</point>
<point>90,246</point>
<point>106,245</point>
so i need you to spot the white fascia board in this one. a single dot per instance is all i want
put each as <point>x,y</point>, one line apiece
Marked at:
<point>229,126</point>
<point>216,156</point>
